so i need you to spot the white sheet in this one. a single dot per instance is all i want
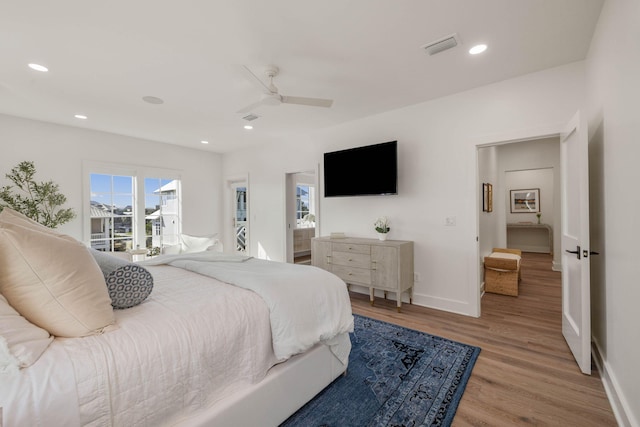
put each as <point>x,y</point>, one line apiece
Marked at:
<point>44,394</point>
<point>307,305</point>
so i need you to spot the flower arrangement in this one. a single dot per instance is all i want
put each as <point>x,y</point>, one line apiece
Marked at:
<point>538,215</point>
<point>382,225</point>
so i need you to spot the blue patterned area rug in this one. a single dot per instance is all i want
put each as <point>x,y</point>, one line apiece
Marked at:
<point>396,377</point>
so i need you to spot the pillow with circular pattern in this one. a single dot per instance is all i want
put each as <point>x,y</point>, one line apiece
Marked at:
<point>129,284</point>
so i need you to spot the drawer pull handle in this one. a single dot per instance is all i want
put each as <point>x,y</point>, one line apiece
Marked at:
<point>350,274</point>
<point>350,259</point>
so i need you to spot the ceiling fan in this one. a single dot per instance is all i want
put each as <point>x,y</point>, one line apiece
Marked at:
<point>271,96</point>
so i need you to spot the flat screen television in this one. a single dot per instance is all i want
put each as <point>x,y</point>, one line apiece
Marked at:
<point>362,171</point>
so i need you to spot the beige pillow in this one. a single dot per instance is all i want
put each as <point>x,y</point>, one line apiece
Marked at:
<point>25,342</point>
<point>51,279</point>
<point>14,217</point>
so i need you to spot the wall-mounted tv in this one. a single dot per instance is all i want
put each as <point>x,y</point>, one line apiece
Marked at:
<point>362,171</point>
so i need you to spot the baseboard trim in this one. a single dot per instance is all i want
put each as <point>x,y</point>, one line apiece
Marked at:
<point>619,404</point>
<point>556,266</point>
<point>445,304</point>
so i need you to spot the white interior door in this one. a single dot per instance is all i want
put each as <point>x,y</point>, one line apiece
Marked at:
<point>576,313</point>
<point>240,216</point>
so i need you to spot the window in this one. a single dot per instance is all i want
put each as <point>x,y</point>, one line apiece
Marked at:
<point>112,211</point>
<point>305,206</point>
<point>120,220</point>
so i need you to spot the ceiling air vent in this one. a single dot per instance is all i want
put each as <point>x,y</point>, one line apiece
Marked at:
<point>441,45</point>
<point>250,117</point>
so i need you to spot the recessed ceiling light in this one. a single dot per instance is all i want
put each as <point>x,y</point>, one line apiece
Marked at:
<point>204,142</point>
<point>38,67</point>
<point>248,127</point>
<point>81,116</point>
<point>153,100</point>
<point>479,48</point>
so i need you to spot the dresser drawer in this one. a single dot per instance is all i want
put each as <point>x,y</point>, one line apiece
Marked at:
<point>369,263</point>
<point>351,248</point>
<point>352,259</point>
<point>352,274</point>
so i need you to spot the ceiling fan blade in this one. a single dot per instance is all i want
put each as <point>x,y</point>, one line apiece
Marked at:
<point>248,74</point>
<point>313,102</point>
<point>249,107</point>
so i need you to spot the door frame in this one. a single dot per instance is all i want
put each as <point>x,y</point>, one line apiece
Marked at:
<point>289,208</point>
<point>556,131</point>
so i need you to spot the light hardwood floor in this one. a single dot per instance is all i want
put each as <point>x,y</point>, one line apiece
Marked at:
<point>525,374</point>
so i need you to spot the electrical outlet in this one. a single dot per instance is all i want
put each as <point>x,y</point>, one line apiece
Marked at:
<point>450,221</point>
<point>416,277</point>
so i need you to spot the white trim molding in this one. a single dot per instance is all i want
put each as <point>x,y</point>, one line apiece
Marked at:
<point>619,404</point>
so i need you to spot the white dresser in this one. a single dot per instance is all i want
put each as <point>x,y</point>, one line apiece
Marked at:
<point>386,265</point>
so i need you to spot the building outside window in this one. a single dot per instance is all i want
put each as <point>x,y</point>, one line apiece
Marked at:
<point>162,213</point>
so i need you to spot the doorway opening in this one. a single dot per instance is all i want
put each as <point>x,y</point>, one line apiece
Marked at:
<point>301,215</point>
<point>571,220</point>
<point>528,167</point>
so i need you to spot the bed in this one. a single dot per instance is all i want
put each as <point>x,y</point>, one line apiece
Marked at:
<point>208,346</point>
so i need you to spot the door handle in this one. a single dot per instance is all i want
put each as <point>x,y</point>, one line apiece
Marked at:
<point>577,252</point>
<point>586,253</point>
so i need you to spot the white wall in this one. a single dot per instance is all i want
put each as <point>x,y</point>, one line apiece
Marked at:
<point>613,70</point>
<point>437,175</point>
<point>489,223</point>
<point>266,168</point>
<point>59,152</point>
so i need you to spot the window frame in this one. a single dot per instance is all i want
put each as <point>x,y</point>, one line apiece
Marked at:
<point>139,173</point>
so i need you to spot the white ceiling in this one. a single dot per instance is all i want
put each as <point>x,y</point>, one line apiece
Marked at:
<point>366,55</point>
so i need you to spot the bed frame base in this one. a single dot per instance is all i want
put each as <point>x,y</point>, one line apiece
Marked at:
<point>285,389</point>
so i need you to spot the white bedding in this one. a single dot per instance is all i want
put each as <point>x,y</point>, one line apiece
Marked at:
<point>307,305</point>
<point>194,341</point>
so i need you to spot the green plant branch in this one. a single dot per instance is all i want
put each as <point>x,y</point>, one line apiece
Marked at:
<point>39,201</point>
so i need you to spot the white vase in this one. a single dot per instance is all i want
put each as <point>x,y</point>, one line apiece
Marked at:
<point>382,236</point>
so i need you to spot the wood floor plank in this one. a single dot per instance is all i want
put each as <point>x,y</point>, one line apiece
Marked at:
<point>525,374</point>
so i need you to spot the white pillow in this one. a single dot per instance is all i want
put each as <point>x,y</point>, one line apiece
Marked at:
<point>51,279</point>
<point>189,243</point>
<point>171,249</point>
<point>22,342</point>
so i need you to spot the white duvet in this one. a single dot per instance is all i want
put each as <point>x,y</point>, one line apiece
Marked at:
<point>194,341</point>
<point>306,304</point>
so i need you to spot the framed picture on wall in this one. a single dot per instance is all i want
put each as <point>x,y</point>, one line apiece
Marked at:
<point>487,197</point>
<point>525,201</point>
